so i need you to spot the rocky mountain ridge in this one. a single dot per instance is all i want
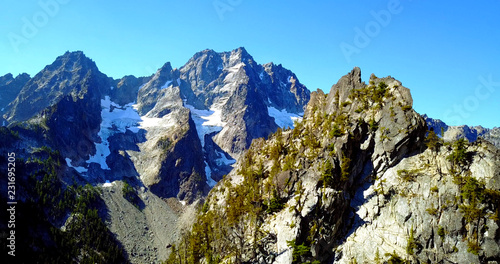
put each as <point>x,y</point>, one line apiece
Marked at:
<point>470,133</point>
<point>160,141</point>
<point>142,126</point>
<point>357,181</point>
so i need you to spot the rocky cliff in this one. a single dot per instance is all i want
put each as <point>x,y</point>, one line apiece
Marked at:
<point>356,181</point>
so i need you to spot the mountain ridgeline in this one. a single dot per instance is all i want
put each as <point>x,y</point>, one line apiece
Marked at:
<point>180,130</point>
<point>452,133</point>
<point>143,169</point>
<point>359,180</point>
<point>171,135</point>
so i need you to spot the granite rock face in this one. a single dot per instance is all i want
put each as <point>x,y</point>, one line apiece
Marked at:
<point>355,181</point>
<point>423,219</point>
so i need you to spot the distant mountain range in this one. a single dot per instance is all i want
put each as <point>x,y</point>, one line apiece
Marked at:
<point>451,133</point>
<point>180,130</point>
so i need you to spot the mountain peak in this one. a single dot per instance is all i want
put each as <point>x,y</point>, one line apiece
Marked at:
<point>241,54</point>
<point>6,78</point>
<point>204,52</point>
<point>71,61</point>
<point>70,73</point>
<point>166,67</point>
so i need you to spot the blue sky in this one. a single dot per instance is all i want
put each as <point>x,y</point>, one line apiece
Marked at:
<point>447,53</point>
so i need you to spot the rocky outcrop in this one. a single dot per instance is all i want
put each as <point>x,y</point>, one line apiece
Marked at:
<point>125,90</point>
<point>233,83</point>
<point>62,103</point>
<point>354,182</point>
<point>298,186</point>
<point>170,161</point>
<point>419,211</point>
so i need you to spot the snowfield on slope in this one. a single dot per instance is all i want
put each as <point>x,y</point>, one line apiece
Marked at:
<point>115,119</point>
<point>282,118</point>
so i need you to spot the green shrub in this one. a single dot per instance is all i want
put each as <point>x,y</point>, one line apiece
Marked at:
<point>129,194</point>
<point>275,204</point>
<point>432,210</point>
<point>373,125</point>
<point>298,250</point>
<point>473,247</point>
<point>336,131</point>
<point>411,245</point>
<point>459,154</point>
<point>394,258</point>
<point>346,103</point>
<point>406,107</point>
<point>344,168</point>
<point>327,174</point>
<point>441,232</point>
<point>432,141</point>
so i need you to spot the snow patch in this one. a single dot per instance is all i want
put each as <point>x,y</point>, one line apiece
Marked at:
<point>112,88</point>
<point>282,118</point>
<point>178,81</point>
<point>164,122</point>
<point>208,173</point>
<point>134,129</point>
<point>289,79</point>
<point>166,85</point>
<point>223,159</point>
<point>206,121</point>
<point>78,169</point>
<point>108,184</point>
<point>115,119</point>
<point>3,109</point>
<point>261,75</point>
<point>236,67</point>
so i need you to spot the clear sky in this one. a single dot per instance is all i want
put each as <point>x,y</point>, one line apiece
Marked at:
<point>446,52</point>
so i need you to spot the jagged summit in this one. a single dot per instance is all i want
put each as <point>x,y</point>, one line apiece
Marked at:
<point>70,74</point>
<point>226,99</point>
<point>231,99</point>
<point>73,58</point>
